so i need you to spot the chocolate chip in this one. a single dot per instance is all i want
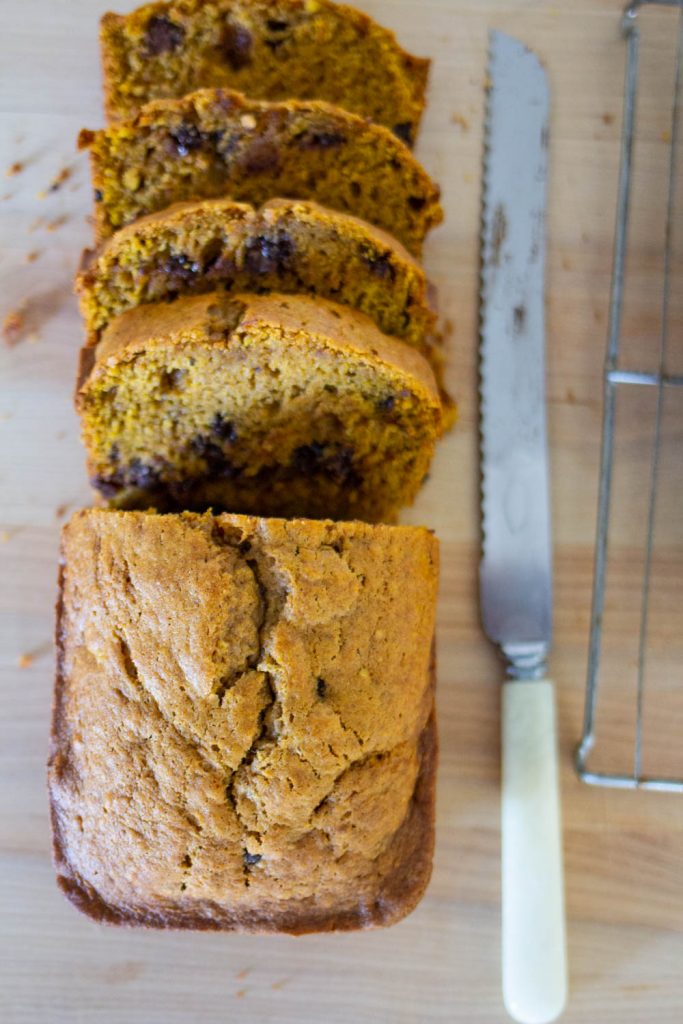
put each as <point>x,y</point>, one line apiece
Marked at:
<point>308,458</point>
<point>180,267</point>
<point>141,475</point>
<point>137,474</point>
<point>276,25</point>
<point>235,44</point>
<point>265,255</point>
<point>114,454</point>
<point>386,404</point>
<point>108,486</point>
<point>215,139</point>
<point>251,858</point>
<point>98,195</point>
<point>218,464</point>
<point>416,203</point>
<point>337,464</point>
<point>320,687</point>
<point>162,35</point>
<point>404,131</point>
<point>380,265</point>
<point>223,429</point>
<point>186,138</point>
<point>244,547</point>
<point>340,468</point>
<point>320,140</point>
<point>261,156</point>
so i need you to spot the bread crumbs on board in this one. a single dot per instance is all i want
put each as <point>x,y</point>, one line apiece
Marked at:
<point>14,326</point>
<point>52,225</point>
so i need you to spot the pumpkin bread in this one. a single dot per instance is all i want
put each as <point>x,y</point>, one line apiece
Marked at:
<point>243,732</point>
<point>216,143</point>
<point>277,405</point>
<point>288,245</point>
<point>307,49</point>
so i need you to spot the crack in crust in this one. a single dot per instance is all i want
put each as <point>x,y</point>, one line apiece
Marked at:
<point>297,785</point>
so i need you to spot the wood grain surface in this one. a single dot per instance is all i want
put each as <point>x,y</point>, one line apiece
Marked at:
<point>624,851</point>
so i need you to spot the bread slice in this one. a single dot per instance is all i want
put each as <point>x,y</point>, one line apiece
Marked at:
<point>218,143</point>
<point>278,405</point>
<point>307,49</point>
<point>288,245</point>
<point>243,732</point>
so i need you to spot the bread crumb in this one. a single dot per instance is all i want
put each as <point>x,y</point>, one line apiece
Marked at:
<point>14,325</point>
<point>33,337</point>
<point>26,659</point>
<point>445,332</point>
<point>488,83</point>
<point>608,118</point>
<point>56,223</point>
<point>4,536</point>
<point>59,179</point>
<point>61,510</point>
<point>461,121</point>
<point>241,993</point>
<point>277,985</point>
<point>241,975</point>
<point>666,136</point>
<point>37,223</point>
<point>15,168</point>
<point>32,256</point>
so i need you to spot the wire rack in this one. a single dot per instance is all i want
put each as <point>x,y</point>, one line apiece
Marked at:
<point>616,379</point>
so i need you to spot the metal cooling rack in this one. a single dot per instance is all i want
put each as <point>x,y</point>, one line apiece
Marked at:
<point>614,379</point>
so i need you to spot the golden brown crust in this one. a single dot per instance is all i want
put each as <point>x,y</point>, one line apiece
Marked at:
<point>402,890</point>
<point>376,889</point>
<point>340,328</point>
<point>325,416</point>
<point>287,245</point>
<point>309,49</point>
<point>180,211</point>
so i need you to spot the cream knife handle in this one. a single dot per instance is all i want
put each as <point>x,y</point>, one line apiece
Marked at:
<point>534,944</point>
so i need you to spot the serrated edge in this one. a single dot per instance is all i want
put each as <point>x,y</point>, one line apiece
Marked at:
<point>486,225</point>
<point>485,216</point>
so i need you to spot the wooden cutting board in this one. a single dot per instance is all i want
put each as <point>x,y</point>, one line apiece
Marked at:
<point>624,851</point>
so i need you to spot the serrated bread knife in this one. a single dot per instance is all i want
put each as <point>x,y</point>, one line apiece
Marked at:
<point>516,568</point>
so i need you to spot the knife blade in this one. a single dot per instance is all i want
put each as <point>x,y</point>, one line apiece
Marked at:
<point>515,576</point>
